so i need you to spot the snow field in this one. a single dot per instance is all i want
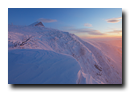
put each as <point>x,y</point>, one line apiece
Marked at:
<point>29,66</point>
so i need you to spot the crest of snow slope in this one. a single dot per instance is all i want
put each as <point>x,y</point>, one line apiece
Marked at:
<point>96,66</point>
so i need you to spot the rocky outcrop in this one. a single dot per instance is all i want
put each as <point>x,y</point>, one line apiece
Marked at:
<point>39,24</point>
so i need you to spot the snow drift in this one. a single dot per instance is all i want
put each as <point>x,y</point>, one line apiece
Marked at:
<point>96,66</point>
<point>32,66</point>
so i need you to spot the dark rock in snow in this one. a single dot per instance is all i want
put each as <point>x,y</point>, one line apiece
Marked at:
<point>39,24</point>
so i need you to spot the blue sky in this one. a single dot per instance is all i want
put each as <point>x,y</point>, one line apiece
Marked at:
<point>80,21</point>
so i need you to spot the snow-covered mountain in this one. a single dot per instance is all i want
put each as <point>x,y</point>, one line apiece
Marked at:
<point>96,67</point>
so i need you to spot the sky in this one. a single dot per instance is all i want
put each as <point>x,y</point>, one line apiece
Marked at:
<point>83,22</point>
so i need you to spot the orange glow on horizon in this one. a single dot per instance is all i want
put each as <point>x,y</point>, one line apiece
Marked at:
<point>103,36</point>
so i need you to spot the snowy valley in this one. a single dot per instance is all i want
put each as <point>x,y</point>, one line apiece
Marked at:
<point>40,55</point>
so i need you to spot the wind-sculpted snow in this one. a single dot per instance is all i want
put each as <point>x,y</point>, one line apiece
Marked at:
<point>27,66</point>
<point>110,71</point>
<point>96,66</point>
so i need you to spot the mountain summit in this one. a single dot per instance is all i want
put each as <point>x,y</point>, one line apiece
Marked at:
<point>37,24</point>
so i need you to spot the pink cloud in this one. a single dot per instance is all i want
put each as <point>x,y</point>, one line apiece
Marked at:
<point>47,20</point>
<point>114,20</point>
<point>88,25</point>
<point>115,31</point>
<point>86,30</point>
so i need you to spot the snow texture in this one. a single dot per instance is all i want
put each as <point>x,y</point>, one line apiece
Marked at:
<point>32,66</point>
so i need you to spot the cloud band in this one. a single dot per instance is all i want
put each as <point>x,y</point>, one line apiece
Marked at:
<point>47,20</point>
<point>88,25</point>
<point>114,20</point>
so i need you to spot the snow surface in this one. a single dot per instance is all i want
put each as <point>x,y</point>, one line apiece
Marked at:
<point>32,66</point>
<point>97,65</point>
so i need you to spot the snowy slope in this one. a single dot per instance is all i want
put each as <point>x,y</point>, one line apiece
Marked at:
<point>96,66</point>
<point>112,48</point>
<point>27,66</point>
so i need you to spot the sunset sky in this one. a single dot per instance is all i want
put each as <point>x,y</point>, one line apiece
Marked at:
<point>84,22</point>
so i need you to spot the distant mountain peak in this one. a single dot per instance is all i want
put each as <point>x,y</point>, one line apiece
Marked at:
<point>37,24</point>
